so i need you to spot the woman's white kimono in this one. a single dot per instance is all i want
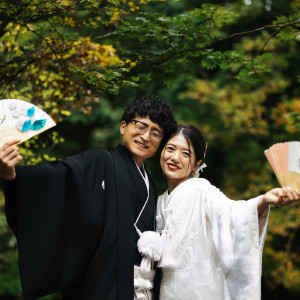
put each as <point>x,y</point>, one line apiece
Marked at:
<point>216,244</point>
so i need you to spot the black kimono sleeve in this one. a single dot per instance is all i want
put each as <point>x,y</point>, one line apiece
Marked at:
<point>58,212</point>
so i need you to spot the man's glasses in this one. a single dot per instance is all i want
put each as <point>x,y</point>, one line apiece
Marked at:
<point>142,127</point>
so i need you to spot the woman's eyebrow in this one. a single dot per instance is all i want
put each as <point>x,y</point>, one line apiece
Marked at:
<point>184,149</point>
<point>170,144</point>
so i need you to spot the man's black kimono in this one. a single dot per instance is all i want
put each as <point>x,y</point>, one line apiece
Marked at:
<point>73,220</point>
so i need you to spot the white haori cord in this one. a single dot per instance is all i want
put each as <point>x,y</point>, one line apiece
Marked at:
<point>149,243</point>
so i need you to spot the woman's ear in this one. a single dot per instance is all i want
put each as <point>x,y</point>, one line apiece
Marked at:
<point>197,165</point>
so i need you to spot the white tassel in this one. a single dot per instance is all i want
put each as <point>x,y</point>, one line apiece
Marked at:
<point>150,247</point>
<point>167,259</point>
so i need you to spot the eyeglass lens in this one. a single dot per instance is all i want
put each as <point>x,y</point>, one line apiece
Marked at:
<point>142,128</point>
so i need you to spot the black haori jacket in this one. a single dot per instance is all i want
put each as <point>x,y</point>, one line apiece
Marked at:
<point>73,220</point>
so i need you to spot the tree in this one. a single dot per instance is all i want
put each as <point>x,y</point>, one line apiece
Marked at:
<point>230,68</point>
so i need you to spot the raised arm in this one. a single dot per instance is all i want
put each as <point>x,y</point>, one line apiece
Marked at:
<point>279,197</point>
<point>9,157</point>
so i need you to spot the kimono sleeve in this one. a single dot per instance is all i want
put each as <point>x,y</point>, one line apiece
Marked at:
<point>236,241</point>
<point>55,211</point>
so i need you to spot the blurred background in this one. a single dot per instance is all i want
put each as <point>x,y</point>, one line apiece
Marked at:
<point>231,68</point>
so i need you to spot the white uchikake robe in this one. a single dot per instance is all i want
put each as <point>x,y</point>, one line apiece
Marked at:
<point>216,244</point>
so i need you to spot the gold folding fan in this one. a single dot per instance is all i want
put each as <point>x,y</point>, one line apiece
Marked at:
<point>285,161</point>
<point>21,120</point>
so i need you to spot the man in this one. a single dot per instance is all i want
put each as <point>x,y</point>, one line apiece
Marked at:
<point>74,218</point>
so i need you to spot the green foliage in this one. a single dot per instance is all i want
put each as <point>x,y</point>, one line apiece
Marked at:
<point>230,69</point>
<point>9,274</point>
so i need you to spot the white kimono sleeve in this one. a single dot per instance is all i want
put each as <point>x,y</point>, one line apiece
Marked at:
<point>236,241</point>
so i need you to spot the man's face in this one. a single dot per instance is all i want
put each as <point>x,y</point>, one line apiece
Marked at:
<point>141,145</point>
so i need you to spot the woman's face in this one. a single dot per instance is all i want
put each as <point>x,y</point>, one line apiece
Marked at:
<point>177,160</point>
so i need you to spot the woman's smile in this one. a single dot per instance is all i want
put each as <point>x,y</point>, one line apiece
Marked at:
<point>173,167</point>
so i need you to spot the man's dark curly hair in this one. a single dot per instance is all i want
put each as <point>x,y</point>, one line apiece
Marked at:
<point>154,107</point>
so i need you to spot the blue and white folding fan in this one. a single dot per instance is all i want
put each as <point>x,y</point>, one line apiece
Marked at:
<point>21,120</point>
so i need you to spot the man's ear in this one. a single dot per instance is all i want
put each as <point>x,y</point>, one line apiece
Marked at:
<point>197,165</point>
<point>122,127</point>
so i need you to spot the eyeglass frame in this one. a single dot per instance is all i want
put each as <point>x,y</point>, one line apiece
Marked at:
<point>147,129</point>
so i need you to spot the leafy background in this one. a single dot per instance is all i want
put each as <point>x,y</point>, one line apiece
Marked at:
<point>231,68</point>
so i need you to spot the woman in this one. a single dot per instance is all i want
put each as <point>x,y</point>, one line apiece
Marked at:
<point>213,245</point>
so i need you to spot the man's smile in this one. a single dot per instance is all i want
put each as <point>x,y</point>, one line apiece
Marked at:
<point>141,145</point>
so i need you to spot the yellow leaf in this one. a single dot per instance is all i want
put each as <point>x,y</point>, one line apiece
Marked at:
<point>65,113</point>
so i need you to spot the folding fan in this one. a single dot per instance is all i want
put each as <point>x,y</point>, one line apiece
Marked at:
<point>21,120</point>
<point>284,159</point>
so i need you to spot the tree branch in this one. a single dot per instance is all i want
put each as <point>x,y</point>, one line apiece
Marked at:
<point>259,29</point>
<point>211,45</point>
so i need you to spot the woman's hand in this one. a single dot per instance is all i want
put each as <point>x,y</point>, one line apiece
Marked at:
<point>9,157</point>
<point>279,197</point>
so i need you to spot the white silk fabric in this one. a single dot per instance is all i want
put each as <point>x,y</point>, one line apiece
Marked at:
<point>215,242</point>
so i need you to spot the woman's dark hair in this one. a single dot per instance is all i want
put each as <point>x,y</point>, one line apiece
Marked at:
<point>157,109</point>
<point>193,137</point>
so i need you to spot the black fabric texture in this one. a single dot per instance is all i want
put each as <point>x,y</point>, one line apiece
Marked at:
<point>73,220</point>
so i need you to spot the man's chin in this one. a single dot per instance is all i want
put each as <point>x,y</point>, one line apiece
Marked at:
<point>142,154</point>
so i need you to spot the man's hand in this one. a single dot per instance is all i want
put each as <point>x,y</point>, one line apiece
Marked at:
<point>9,157</point>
